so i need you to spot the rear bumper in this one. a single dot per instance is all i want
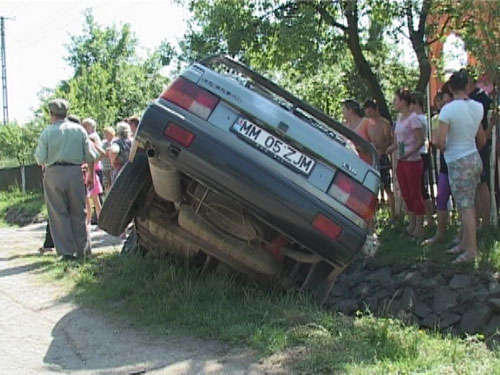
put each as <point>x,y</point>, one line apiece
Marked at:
<point>215,160</point>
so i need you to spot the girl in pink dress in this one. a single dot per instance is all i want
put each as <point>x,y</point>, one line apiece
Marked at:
<point>97,189</point>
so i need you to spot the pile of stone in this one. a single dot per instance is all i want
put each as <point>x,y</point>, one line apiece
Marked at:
<point>448,300</point>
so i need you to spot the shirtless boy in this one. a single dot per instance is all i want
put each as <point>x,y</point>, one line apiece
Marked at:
<point>378,131</point>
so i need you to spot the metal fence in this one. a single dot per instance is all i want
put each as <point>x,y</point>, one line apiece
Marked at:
<point>10,178</point>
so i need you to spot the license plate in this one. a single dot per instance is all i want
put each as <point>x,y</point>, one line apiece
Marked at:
<point>273,146</point>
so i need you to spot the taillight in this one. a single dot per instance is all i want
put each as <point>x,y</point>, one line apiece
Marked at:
<point>179,134</point>
<point>191,97</point>
<point>326,226</point>
<point>353,195</point>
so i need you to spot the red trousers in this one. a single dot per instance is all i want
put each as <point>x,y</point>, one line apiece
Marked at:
<point>409,174</point>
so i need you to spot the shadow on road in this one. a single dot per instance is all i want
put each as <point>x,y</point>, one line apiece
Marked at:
<point>102,239</point>
<point>19,256</point>
<point>24,268</point>
<point>82,340</point>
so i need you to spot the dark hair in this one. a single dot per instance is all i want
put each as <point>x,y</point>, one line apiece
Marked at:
<point>74,118</point>
<point>353,105</point>
<point>417,98</point>
<point>445,90</point>
<point>370,103</point>
<point>439,96</point>
<point>404,94</point>
<point>458,80</point>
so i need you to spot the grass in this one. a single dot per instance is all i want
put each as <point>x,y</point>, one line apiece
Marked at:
<point>14,204</point>
<point>397,247</point>
<point>169,298</point>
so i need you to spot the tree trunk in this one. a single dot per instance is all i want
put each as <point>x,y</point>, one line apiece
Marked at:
<point>417,38</point>
<point>364,69</point>
<point>423,65</point>
<point>493,160</point>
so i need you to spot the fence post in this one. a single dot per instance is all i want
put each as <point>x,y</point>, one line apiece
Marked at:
<point>23,179</point>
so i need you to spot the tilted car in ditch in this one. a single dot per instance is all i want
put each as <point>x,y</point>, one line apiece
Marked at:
<point>228,167</point>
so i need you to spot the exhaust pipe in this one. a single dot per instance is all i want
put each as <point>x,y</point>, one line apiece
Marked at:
<point>227,249</point>
<point>151,152</point>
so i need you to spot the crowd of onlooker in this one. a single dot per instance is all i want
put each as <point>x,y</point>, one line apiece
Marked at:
<point>111,154</point>
<point>460,133</point>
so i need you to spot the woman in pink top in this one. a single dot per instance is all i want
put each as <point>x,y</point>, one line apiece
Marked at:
<point>408,138</point>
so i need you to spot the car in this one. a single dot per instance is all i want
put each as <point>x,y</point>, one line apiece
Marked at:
<point>228,168</point>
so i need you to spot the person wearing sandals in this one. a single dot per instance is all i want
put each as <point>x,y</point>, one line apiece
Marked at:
<point>459,127</point>
<point>107,167</point>
<point>417,106</point>
<point>444,96</point>
<point>48,243</point>
<point>409,138</point>
<point>381,138</point>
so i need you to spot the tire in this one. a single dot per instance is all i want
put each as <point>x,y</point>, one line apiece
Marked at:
<point>121,203</point>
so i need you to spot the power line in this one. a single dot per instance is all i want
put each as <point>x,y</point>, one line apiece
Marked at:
<point>36,30</point>
<point>4,70</point>
<point>49,33</point>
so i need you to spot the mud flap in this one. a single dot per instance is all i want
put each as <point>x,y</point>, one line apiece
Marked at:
<point>320,280</point>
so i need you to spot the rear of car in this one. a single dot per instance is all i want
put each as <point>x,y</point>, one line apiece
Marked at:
<point>284,164</point>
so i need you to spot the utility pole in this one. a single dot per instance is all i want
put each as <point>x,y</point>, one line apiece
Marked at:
<point>4,71</point>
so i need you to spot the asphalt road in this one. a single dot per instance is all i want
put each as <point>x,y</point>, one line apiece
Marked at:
<point>42,331</point>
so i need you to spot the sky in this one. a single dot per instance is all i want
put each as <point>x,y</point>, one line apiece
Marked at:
<point>36,36</point>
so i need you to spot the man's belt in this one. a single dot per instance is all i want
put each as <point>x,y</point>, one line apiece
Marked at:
<point>64,164</point>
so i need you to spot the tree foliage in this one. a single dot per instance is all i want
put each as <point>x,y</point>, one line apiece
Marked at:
<point>108,47</point>
<point>110,82</point>
<point>19,142</point>
<point>481,34</point>
<point>480,30</point>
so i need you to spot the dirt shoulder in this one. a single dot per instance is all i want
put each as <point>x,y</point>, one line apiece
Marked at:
<point>43,331</point>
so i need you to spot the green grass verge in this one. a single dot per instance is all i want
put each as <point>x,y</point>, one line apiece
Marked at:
<point>15,204</point>
<point>398,248</point>
<point>168,297</point>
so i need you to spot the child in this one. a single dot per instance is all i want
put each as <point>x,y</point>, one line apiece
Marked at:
<point>97,189</point>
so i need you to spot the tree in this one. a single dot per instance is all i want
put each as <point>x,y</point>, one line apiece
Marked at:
<point>108,46</point>
<point>19,142</point>
<point>91,94</point>
<point>480,30</point>
<point>110,82</point>
<point>300,38</point>
<point>426,22</point>
<point>417,37</point>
